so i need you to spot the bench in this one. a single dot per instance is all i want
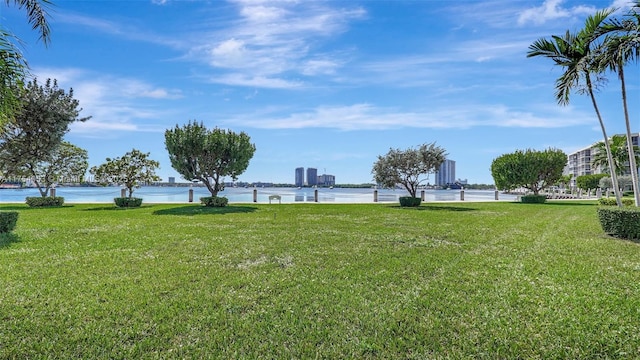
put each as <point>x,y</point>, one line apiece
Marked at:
<point>275,197</point>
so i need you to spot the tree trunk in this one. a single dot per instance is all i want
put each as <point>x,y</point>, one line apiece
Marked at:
<point>612,166</point>
<point>632,158</point>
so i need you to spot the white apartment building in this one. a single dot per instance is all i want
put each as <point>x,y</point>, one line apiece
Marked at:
<point>579,162</point>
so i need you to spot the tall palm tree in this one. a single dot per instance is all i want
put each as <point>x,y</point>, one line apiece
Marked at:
<point>622,46</point>
<point>573,52</point>
<point>13,66</point>
<point>618,145</point>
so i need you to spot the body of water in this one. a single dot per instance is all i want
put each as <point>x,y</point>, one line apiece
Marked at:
<point>156,194</point>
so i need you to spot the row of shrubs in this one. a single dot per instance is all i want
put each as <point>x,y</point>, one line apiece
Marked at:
<point>125,202</point>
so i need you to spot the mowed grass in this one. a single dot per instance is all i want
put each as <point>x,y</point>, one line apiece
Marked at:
<point>448,280</point>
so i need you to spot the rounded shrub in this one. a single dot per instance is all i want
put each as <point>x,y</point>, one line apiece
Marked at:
<point>128,202</point>
<point>533,199</point>
<point>620,222</point>
<point>47,201</point>
<point>611,201</point>
<point>409,201</point>
<point>8,220</point>
<point>214,201</point>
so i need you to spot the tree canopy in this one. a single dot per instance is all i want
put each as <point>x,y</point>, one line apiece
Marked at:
<point>132,170</point>
<point>409,167</point>
<point>200,154</point>
<point>619,153</point>
<point>38,126</point>
<point>66,162</point>
<point>529,169</point>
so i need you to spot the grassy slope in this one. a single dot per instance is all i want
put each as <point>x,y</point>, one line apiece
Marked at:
<point>304,280</point>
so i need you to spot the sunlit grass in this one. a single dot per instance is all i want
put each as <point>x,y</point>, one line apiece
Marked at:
<point>494,280</point>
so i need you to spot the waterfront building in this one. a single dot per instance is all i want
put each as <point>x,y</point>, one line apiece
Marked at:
<point>326,180</point>
<point>446,174</point>
<point>299,177</point>
<point>580,162</point>
<point>312,176</point>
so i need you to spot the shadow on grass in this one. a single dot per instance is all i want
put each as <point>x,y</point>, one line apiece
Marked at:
<point>434,208</point>
<point>107,207</point>
<point>570,203</point>
<point>204,210</point>
<point>6,239</point>
<point>25,207</point>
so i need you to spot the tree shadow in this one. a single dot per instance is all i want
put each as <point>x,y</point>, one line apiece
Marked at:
<point>6,239</point>
<point>433,208</point>
<point>569,203</point>
<point>192,210</point>
<point>116,208</point>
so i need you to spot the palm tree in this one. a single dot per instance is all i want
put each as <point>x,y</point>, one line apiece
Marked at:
<point>574,53</point>
<point>618,145</point>
<point>621,46</point>
<point>13,66</point>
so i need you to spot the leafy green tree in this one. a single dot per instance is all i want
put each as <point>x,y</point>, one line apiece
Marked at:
<point>67,161</point>
<point>622,46</point>
<point>39,125</point>
<point>591,181</point>
<point>619,153</point>
<point>575,54</point>
<point>529,169</point>
<point>408,167</point>
<point>132,170</point>
<point>13,66</point>
<point>208,156</point>
<point>564,180</point>
<point>625,182</point>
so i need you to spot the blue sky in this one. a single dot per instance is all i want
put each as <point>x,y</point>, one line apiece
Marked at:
<point>324,84</point>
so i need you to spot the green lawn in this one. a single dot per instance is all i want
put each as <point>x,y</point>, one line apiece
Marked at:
<point>449,280</point>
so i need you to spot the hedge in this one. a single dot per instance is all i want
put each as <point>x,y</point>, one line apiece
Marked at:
<point>8,220</point>
<point>214,201</point>
<point>47,201</point>
<point>620,222</point>
<point>128,202</point>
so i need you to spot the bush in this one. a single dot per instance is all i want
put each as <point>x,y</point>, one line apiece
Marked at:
<point>8,220</point>
<point>128,202</point>
<point>533,199</point>
<point>214,201</point>
<point>611,201</point>
<point>620,222</point>
<point>47,201</point>
<point>409,201</point>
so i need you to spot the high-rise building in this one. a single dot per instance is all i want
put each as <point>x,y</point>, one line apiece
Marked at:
<point>326,180</point>
<point>300,177</point>
<point>312,176</point>
<point>446,174</point>
<point>580,162</point>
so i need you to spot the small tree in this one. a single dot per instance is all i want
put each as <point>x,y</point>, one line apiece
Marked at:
<point>530,169</point>
<point>66,161</point>
<point>208,156</point>
<point>591,181</point>
<point>408,167</point>
<point>131,170</point>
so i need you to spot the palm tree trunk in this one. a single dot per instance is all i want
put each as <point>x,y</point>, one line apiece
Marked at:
<point>632,156</point>
<point>612,166</point>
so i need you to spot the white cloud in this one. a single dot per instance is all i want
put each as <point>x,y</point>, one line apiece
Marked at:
<point>274,40</point>
<point>240,79</point>
<point>114,104</point>
<point>552,10</point>
<point>368,117</point>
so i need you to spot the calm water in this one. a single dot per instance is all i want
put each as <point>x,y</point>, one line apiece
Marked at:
<point>153,194</point>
